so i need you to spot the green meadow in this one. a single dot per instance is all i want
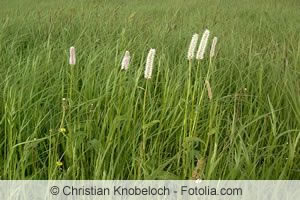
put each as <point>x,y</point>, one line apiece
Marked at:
<point>93,120</point>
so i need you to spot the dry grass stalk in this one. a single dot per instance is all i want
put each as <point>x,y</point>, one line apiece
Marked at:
<point>199,170</point>
<point>209,92</point>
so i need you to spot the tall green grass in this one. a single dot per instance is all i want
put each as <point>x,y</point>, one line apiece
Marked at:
<point>117,125</point>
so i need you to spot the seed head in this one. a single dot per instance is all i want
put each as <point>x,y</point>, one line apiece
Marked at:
<point>202,46</point>
<point>72,59</point>
<point>192,47</point>
<point>149,64</point>
<point>125,61</point>
<point>209,92</point>
<point>213,47</point>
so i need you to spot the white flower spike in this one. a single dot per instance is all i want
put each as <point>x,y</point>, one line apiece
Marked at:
<point>202,46</point>
<point>149,64</point>
<point>72,59</point>
<point>213,47</point>
<point>192,47</point>
<point>125,61</point>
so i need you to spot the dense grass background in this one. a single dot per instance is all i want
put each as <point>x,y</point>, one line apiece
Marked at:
<point>119,126</point>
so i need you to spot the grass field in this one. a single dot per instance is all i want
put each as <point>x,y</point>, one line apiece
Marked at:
<point>114,124</point>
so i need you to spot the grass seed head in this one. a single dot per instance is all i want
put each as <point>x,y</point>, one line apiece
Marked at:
<point>202,46</point>
<point>149,64</point>
<point>209,92</point>
<point>198,172</point>
<point>125,61</point>
<point>213,47</point>
<point>192,47</point>
<point>72,59</point>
